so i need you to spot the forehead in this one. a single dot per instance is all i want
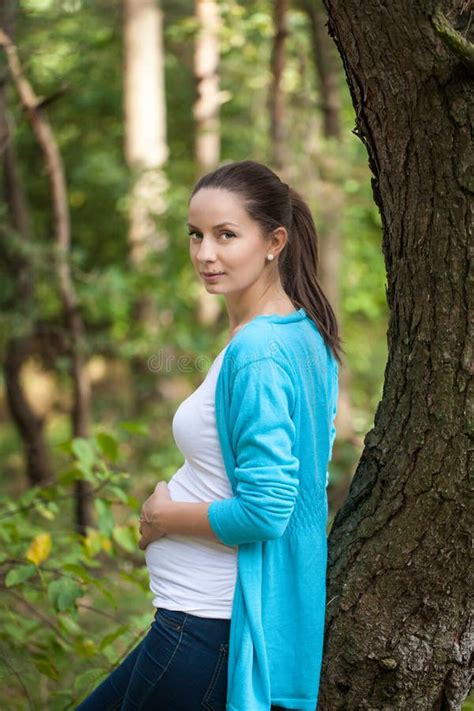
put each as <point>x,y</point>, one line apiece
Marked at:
<point>214,206</point>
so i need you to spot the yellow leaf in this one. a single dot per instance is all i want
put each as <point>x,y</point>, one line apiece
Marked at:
<point>92,543</point>
<point>106,544</point>
<point>40,548</point>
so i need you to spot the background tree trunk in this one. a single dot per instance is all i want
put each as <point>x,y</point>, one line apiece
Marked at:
<point>277,96</point>
<point>206,112</point>
<point>326,69</point>
<point>146,152</point>
<point>62,242</point>
<point>28,424</point>
<point>206,108</point>
<point>399,598</point>
<point>332,197</point>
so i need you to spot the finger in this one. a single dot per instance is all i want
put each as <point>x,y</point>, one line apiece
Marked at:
<point>162,489</point>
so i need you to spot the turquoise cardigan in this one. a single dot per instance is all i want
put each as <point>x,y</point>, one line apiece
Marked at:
<point>276,397</point>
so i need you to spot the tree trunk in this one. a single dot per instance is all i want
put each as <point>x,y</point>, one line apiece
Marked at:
<point>62,236</point>
<point>399,597</point>
<point>277,96</point>
<point>146,152</point>
<point>332,199</point>
<point>326,68</point>
<point>29,426</point>
<point>206,108</point>
<point>206,112</point>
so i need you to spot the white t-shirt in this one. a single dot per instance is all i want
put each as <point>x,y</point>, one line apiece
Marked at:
<point>194,573</point>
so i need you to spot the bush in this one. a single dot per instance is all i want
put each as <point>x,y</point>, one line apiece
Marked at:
<point>58,583</point>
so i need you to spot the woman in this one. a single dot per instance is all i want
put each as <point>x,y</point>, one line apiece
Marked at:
<point>236,543</point>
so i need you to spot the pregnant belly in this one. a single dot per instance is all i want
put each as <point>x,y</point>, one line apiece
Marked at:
<point>188,567</point>
<point>188,563</point>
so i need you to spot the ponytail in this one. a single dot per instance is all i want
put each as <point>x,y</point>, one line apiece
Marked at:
<point>298,270</point>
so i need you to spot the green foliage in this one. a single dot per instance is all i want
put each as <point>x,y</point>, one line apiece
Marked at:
<point>55,580</point>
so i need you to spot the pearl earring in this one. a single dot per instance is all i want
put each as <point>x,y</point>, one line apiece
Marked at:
<point>269,257</point>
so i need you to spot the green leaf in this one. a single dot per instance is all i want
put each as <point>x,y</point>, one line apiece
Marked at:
<point>134,503</point>
<point>108,445</point>
<point>86,647</point>
<point>63,593</point>
<point>139,428</point>
<point>119,493</point>
<point>86,473</point>
<point>19,574</point>
<point>108,639</point>
<point>71,474</point>
<point>106,519</point>
<point>48,494</point>
<point>69,625</point>
<point>88,679</point>
<point>64,447</point>
<point>105,592</point>
<point>45,511</point>
<point>15,631</point>
<point>46,667</point>
<point>28,497</point>
<point>126,538</point>
<point>138,578</point>
<point>78,570</point>
<point>82,449</point>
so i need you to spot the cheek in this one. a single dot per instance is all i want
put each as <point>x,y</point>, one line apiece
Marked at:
<point>245,255</point>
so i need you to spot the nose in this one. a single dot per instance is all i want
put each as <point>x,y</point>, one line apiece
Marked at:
<point>206,251</point>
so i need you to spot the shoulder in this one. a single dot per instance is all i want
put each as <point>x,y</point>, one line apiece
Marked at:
<point>257,350</point>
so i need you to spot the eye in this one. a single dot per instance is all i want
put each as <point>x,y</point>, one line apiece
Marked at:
<point>197,235</point>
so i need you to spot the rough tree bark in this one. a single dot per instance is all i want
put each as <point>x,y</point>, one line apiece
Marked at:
<point>399,626</point>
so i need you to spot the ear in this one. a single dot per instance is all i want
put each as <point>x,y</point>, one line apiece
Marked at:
<point>279,240</point>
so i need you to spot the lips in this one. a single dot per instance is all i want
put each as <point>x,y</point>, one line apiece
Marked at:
<point>212,273</point>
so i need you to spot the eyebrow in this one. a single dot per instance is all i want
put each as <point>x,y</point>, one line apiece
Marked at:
<point>222,224</point>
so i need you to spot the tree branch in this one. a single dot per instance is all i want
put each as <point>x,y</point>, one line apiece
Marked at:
<point>458,44</point>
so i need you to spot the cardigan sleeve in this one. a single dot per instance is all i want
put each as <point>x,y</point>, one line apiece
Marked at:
<point>266,468</point>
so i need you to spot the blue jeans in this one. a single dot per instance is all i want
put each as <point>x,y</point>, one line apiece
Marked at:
<point>180,665</point>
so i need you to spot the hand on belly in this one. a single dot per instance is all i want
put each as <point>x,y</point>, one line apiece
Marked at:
<point>151,517</point>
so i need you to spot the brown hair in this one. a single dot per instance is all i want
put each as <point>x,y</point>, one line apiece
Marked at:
<point>272,204</point>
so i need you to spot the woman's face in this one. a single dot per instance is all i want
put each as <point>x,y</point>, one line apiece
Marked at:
<point>223,238</point>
